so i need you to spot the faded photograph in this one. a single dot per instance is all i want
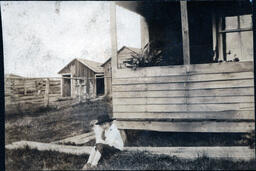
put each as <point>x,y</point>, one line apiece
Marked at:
<point>129,85</point>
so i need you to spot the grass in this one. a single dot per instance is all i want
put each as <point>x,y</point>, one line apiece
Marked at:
<point>52,125</point>
<point>146,161</point>
<point>29,159</point>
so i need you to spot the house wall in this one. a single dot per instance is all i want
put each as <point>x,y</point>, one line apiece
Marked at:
<point>176,98</point>
<point>107,78</point>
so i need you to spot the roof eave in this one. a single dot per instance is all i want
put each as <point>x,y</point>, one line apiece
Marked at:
<point>102,65</point>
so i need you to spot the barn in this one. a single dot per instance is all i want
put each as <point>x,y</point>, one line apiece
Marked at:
<point>82,78</point>
<point>207,82</point>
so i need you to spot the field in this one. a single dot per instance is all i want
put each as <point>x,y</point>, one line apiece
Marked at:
<point>54,124</point>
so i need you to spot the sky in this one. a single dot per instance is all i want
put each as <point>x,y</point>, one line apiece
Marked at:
<point>42,37</point>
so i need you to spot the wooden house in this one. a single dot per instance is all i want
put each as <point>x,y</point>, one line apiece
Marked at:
<point>82,77</point>
<point>198,90</point>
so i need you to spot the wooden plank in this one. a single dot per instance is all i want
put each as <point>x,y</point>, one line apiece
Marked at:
<point>220,76</point>
<point>182,86</point>
<point>77,140</point>
<point>135,100</point>
<point>150,71</point>
<point>143,80</point>
<point>224,67</point>
<point>141,94</point>
<point>182,107</point>
<point>147,87</point>
<point>49,147</point>
<point>220,39</point>
<point>227,115</point>
<point>15,101</point>
<point>236,30</point>
<point>229,99</point>
<point>182,100</point>
<point>214,34</point>
<point>221,84</point>
<point>202,126</point>
<point>246,91</point>
<point>195,93</point>
<point>183,78</point>
<point>185,32</point>
<point>236,153</point>
<point>31,97</point>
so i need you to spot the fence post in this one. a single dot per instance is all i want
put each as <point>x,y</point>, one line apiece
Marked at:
<point>25,89</point>
<point>47,90</point>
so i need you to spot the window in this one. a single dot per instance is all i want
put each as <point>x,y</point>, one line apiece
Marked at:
<point>237,38</point>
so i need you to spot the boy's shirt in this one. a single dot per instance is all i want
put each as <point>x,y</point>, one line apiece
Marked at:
<point>112,136</point>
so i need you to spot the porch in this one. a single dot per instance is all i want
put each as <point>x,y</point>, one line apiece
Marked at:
<point>197,91</point>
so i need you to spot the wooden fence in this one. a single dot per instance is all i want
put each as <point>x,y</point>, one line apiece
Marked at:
<point>21,92</point>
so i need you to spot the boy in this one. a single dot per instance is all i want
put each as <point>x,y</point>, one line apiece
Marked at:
<point>108,141</point>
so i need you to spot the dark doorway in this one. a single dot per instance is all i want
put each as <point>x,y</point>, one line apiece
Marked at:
<point>164,22</point>
<point>99,85</point>
<point>200,33</point>
<point>66,87</point>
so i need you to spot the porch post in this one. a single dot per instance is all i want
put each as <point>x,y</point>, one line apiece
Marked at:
<point>214,35</point>
<point>113,31</point>
<point>220,40</point>
<point>185,32</point>
<point>254,64</point>
<point>144,31</point>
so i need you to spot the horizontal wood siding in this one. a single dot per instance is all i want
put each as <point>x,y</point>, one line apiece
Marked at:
<point>220,91</point>
<point>199,126</point>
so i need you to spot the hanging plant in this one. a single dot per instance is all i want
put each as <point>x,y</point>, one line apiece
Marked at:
<point>148,57</point>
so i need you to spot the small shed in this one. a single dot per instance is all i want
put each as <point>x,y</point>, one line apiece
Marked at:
<point>107,76</point>
<point>82,77</point>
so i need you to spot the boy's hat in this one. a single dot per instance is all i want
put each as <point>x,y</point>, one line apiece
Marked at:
<point>103,118</point>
